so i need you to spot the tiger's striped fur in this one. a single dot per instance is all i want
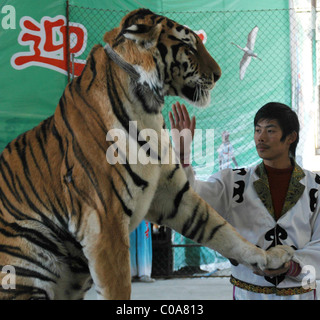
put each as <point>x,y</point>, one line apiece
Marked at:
<point>66,213</point>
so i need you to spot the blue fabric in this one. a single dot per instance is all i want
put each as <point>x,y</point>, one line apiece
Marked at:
<point>141,250</point>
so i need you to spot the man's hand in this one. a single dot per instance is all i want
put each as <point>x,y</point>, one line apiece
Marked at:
<point>182,131</point>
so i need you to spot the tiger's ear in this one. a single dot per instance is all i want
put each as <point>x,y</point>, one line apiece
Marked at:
<point>144,35</point>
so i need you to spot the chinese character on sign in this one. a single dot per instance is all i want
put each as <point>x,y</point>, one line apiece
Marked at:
<point>47,43</point>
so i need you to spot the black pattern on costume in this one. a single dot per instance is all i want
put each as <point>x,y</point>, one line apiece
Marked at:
<point>241,172</point>
<point>238,191</point>
<point>275,235</point>
<point>317,179</point>
<point>313,199</point>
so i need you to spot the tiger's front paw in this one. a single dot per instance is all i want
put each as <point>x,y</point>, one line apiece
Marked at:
<point>277,256</point>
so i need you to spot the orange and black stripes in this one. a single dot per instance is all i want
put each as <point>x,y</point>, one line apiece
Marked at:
<point>63,207</point>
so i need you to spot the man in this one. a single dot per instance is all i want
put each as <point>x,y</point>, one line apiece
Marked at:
<point>275,202</point>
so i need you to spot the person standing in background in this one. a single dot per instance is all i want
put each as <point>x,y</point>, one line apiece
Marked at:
<point>141,253</point>
<point>226,152</point>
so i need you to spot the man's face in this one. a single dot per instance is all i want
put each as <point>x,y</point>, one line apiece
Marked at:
<point>267,138</point>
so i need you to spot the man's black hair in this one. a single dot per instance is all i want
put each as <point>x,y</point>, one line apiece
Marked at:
<point>286,117</point>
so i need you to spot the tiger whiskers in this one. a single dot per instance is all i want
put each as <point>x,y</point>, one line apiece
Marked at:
<point>200,94</point>
<point>197,93</point>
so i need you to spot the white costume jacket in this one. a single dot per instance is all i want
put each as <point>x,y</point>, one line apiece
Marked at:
<point>243,198</point>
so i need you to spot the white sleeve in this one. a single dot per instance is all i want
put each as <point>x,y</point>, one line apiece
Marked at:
<point>309,256</point>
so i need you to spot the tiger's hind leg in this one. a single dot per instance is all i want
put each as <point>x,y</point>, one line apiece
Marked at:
<point>23,292</point>
<point>28,279</point>
<point>22,280</point>
<point>32,258</point>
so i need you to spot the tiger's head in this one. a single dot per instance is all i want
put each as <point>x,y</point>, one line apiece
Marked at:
<point>164,57</point>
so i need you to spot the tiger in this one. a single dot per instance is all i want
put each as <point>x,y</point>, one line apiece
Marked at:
<point>66,211</point>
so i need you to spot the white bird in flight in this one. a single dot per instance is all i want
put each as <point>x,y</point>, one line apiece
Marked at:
<point>248,51</point>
